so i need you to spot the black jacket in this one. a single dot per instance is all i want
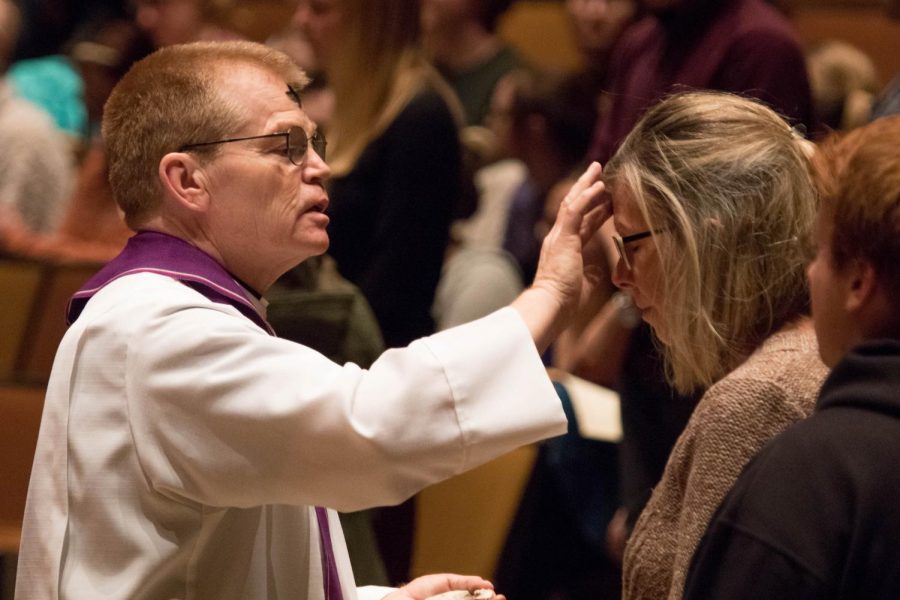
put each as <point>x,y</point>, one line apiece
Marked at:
<point>817,513</point>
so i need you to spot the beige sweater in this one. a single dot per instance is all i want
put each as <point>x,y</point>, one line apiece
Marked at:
<point>774,387</point>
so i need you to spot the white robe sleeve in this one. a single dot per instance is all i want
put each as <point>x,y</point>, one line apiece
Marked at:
<point>225,415</point>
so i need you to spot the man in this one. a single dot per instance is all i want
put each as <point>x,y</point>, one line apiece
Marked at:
<point>461,38</point>
<point>168,22</point>
<point>183,448</point>
<point>815,514</point>
<point>741,46</point>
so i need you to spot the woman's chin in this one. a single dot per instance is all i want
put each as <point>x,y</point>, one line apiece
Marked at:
<point>658,330</point>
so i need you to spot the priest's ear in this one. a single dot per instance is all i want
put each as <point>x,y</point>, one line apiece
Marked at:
<point>184,181</point>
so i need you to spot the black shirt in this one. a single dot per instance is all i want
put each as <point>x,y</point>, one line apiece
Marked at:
<point>817,512</point>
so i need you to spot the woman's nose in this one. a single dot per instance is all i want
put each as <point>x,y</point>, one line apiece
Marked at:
<point>622,276</point>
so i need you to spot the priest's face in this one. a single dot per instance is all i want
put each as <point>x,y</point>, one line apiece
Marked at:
<point>266,213</point>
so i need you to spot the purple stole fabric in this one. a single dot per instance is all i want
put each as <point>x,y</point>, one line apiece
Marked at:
<point>329,566</point>
<point>155,252</point>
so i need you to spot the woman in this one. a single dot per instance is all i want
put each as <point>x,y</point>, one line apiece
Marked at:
<point>395,155</point>
<point>714,204</point>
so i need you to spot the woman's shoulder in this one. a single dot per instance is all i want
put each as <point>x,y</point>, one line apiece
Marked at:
<point>788,359</point>
<point>426,118</point>
<point>779,381</point>
<point>426,104</point>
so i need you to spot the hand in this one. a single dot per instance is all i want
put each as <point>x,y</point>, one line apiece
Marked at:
<point>573,250</point>
<point>431,585</point>
<point>617,535</point>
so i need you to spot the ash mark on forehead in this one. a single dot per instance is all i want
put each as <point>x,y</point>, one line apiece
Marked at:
<point>293,92</point>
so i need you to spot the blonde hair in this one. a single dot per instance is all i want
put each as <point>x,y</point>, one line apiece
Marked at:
<point>727,183</point>
<point>379,70</point>
<point>170,99</point>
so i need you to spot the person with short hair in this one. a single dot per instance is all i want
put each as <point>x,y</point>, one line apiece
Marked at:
<point>169,22</point>
<point>460,37</point>
<point>184,450</point>
<point>746,47</point>
<point>815,514</point>
<point>36,162</point>
<point>713,206</point>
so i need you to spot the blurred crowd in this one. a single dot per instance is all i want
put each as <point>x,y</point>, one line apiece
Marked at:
<point>450,156</point>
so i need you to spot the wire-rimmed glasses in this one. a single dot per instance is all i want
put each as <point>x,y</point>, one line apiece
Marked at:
<point>295,139</point>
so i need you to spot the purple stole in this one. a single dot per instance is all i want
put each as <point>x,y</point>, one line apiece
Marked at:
<point>155,252</point>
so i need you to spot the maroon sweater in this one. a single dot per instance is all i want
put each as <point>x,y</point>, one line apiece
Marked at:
<point>740,46</point>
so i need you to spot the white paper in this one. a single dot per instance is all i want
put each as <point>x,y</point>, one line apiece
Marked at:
<point>596,407</point>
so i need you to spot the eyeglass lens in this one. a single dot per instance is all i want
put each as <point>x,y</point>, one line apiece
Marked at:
<point>623,254</point>
<point>299,142</point>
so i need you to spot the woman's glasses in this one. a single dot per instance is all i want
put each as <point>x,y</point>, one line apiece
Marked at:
<point>621,241</point>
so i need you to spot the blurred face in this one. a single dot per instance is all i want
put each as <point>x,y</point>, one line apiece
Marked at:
<point>266,214</point>
<point>322,23</point>
<point>597,23</point>
<point>828,290</point>
<point>643,280</point>
<point>169,22</point>
<point>440,15</point>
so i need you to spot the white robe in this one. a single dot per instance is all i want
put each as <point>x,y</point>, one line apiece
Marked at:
<point>182,447</point>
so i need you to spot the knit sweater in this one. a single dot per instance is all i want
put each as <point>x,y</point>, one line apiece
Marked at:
<point>776,386</point>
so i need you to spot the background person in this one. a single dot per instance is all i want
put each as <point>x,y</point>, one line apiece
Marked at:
<point>398,182</point>
<point>395,154</point>
<point>460,38</point>
<point>169,22</point>
<point>35,164</point>
<point>741,46</point>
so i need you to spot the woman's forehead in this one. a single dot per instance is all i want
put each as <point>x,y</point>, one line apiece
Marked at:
<point>624,206</point>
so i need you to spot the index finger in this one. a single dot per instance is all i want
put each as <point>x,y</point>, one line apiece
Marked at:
<point>584,182</point>
<point>586,190</point>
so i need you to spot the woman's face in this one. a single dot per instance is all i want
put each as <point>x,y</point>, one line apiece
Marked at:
<point>643,280</point>
<point>322,23</point>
